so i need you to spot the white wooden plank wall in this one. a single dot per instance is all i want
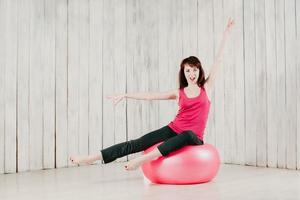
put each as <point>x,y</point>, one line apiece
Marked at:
<point>280,76</point>
<point>2,85</point>
<point>60,59</point>
<point>272,131</point>
<point>61,83</point>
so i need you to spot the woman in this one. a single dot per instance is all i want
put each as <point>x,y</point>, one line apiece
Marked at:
<point>188,126</point>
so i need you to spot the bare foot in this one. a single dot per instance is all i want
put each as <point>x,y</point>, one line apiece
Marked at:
<point>80,160</point>
<point>133,164</point>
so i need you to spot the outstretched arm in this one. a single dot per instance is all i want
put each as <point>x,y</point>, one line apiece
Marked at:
<point>153,95</point>
<point>219,57</point>
<point>172,94</point>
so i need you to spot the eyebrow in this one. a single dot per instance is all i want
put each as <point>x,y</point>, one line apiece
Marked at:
<point>192,68</point>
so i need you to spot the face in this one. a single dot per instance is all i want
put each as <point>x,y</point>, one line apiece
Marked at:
<point>191,74</point>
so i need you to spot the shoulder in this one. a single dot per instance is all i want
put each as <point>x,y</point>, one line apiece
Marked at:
<point>176,92</point>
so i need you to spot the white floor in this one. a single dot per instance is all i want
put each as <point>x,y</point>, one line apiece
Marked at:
<point>111,181</point>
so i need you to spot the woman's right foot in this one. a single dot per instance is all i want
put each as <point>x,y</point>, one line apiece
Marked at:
<point>79,160</point>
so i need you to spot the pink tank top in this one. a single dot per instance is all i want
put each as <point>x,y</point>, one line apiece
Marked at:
<point>192,114</point>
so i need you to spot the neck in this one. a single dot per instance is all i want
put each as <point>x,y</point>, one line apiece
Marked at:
<point>192,86</point>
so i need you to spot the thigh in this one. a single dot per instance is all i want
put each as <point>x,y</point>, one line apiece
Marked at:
<point>190,138</point>
<point>177,142</point>
<point>156,136</point>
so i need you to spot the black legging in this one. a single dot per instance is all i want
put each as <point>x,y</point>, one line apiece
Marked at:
<point>173,141</point>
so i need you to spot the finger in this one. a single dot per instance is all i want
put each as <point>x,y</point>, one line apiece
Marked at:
<point>119,100</point>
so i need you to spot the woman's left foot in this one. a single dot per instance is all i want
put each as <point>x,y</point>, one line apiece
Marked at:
<point>133,164</point>
<point>79,160</point>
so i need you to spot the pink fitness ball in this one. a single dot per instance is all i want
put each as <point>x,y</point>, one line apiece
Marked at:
<point>189,165</point>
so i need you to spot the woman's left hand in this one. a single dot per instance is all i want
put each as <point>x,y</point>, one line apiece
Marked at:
<point>230,25</point>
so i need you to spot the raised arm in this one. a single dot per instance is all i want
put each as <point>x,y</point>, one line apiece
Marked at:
<point>219,57</point>
<point>168,95</point>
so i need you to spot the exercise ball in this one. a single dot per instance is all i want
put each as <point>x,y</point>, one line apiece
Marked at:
<point>190,164</point>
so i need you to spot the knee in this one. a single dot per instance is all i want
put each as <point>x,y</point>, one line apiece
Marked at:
<point>190,135</point>
<point>134,145</point>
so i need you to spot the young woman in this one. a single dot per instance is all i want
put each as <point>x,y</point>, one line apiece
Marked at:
<point>188,126</point>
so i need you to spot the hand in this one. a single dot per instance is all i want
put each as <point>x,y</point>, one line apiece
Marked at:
<point>230,25</point>
<point>116,98</point>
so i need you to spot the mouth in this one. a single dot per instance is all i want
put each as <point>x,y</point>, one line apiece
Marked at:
<point>192,78</point>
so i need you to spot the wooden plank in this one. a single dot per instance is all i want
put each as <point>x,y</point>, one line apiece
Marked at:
<point>61,86</point>
<point>189,25</point>
<point>11,45</point>
<point>250,83</point>
<point>109,69</point>
<point>260,78</point>
<point>73,77</point>
<point>150,52</point>
<point>143,118</point>
<point>119,55</point>
<point>2,84</point>
<point>10,93</point>
<point>206,56</point>
<point>291,81</point>
<point>141,66</point>
<point>114,78</point>
<point>134,126</point>
<point>36,84</point>
<point>49,87</point>
<point>238,38</point>
<point>219,85</point>
<point>146,64</point>
<point>95,76</point>
<point>298,81</point>
<point>23,86</point>
<point>280,60</point>
<point>229,87</point>
<point>10,90</point>
<point>144,69</point>
<point>272,116</point>
<point>170,55</point>
<point>83,109</point>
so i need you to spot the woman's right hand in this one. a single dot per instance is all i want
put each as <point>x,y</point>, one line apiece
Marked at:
<point>116,98</point>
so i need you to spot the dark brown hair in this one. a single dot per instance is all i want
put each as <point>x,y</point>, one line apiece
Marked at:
<point>192,61</point>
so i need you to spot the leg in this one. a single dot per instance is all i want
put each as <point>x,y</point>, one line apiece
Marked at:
<point>172,144</point>
<point>175,143</point>
<point>125,148</point>
<point>122,149</point>
<point>135,163</point>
